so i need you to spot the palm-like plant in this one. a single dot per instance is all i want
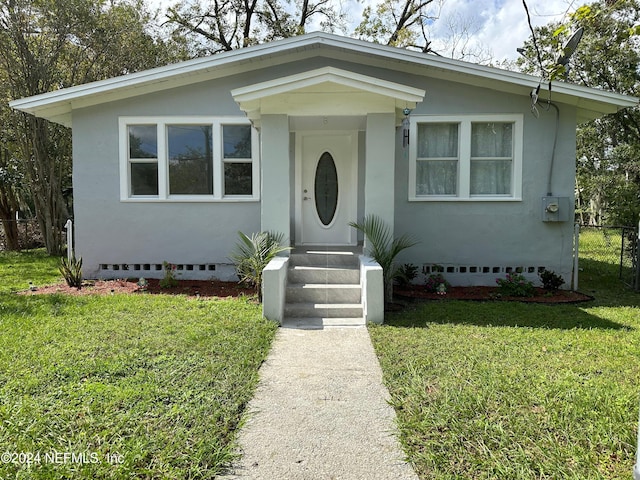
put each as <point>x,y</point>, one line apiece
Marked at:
<point>71,270</point>
<point>383,248</point>
<point>252,254</point>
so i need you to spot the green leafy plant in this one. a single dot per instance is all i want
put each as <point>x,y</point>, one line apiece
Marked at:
<point>143,284</point>
<point>252,254</point>
<point>383,248</point>
<point>434,281</point>
<point>550,280</point>
<point>515,285</point>
<point>71,270</point>
<point>407,273</point>
<point>169,280</point>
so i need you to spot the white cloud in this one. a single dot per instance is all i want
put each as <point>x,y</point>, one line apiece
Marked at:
<point>507,28</point>
<point>495,26</point>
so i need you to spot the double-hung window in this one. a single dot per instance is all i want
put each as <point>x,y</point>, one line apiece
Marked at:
<point>437,159</point>
<point>238,160</point>
<point>466,157</point>
<point>142,154</point>
<point>188,159</point>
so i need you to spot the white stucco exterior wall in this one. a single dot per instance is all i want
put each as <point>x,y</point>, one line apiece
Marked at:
<point>138,234</point>
<point>275,206</point>
<point>476,241</point>
<point>380,167</point>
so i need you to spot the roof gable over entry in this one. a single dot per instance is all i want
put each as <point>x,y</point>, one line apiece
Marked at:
<point>58,106</point>
<point>326,91</point>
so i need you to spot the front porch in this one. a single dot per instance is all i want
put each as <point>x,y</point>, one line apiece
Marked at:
<point>328,152</point>
<point>304,118</point>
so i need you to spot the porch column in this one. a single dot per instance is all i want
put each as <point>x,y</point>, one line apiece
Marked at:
<point>275,205</point>
<point>380,166</point>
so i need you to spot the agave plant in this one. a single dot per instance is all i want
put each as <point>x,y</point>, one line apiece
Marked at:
<point>383,248</point>
<point>252,254</point>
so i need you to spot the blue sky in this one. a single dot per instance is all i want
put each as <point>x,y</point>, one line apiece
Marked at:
<point>500,26</point>
<point>495,27</point>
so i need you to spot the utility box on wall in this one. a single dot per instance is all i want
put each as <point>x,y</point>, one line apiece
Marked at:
<point>555,209</point>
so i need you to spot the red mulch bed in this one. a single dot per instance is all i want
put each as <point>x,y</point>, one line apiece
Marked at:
<point>215,288</point>
<point>491,293</point>
<point>192,288</point>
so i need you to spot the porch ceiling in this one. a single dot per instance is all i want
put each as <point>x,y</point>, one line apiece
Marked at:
<point>325,91</point>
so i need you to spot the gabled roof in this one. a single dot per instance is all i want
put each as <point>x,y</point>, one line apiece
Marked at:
<point>58,105</point>
<point>326,91</point>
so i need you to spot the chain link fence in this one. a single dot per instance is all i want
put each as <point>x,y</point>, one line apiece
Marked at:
<point>629,268</point>
<point>611,250</point>
<point>29,235</point>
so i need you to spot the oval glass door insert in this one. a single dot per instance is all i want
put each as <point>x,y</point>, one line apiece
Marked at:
<point>326,188</point>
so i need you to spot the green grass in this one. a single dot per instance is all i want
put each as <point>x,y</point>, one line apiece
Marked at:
<point>17,269</point>
<point>518,391</point>
<point>137,386</point>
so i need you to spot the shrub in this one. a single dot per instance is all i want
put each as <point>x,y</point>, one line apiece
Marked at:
<point>71,271</point>
<point>550,280</point>
<point>383,248</point>
<point>406,274</point>
<point>169,280</point>
<point>434,281</point>
<point>253,253</point>
<point>143,284</point>
<point>515,285</point>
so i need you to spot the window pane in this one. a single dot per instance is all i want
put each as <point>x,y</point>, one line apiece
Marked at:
<point>492,140</point>
<point>144,178</point>
<point>491,177</point>
<point>143,141</point>
<point>237,141</point>
<point>238,179</point>
<point>437,140</point>
<point>436,177</point>
<point>190,159</point>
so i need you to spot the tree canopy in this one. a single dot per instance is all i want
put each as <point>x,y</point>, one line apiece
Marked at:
<point>608,149</point>
<point>222,25</point>
<point>45,46</point>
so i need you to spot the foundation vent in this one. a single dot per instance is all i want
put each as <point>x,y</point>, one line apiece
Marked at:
<point>156,267</point>
<point>428,269</point>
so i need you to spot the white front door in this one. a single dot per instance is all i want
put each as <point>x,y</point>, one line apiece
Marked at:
<point>327,188</point>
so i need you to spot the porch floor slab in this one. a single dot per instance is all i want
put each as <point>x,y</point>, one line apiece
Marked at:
<point>318,323</point>
<point>320,412</point>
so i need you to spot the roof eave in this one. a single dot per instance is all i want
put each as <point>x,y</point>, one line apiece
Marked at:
<point>57,105</point>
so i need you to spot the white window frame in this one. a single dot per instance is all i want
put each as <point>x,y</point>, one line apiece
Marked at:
<point>162,122</point>
<point>464,157</point>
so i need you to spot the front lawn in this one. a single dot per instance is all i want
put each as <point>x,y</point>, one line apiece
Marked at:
<point>18,269</point>
<point>123,386</point>
<point>517,391</point>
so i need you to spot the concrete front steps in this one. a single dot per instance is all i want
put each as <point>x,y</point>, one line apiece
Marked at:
<point>323,289</point>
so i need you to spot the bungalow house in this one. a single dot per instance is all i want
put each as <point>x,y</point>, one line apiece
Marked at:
<point>302,136</point>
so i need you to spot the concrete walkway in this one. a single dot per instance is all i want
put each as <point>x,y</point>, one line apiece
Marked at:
<point>321,412</point>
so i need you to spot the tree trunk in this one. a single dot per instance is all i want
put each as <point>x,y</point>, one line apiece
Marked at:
<point>388,292</point>
<point>44,176</point>
<point>9,205</point>
<point>11,236</point>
